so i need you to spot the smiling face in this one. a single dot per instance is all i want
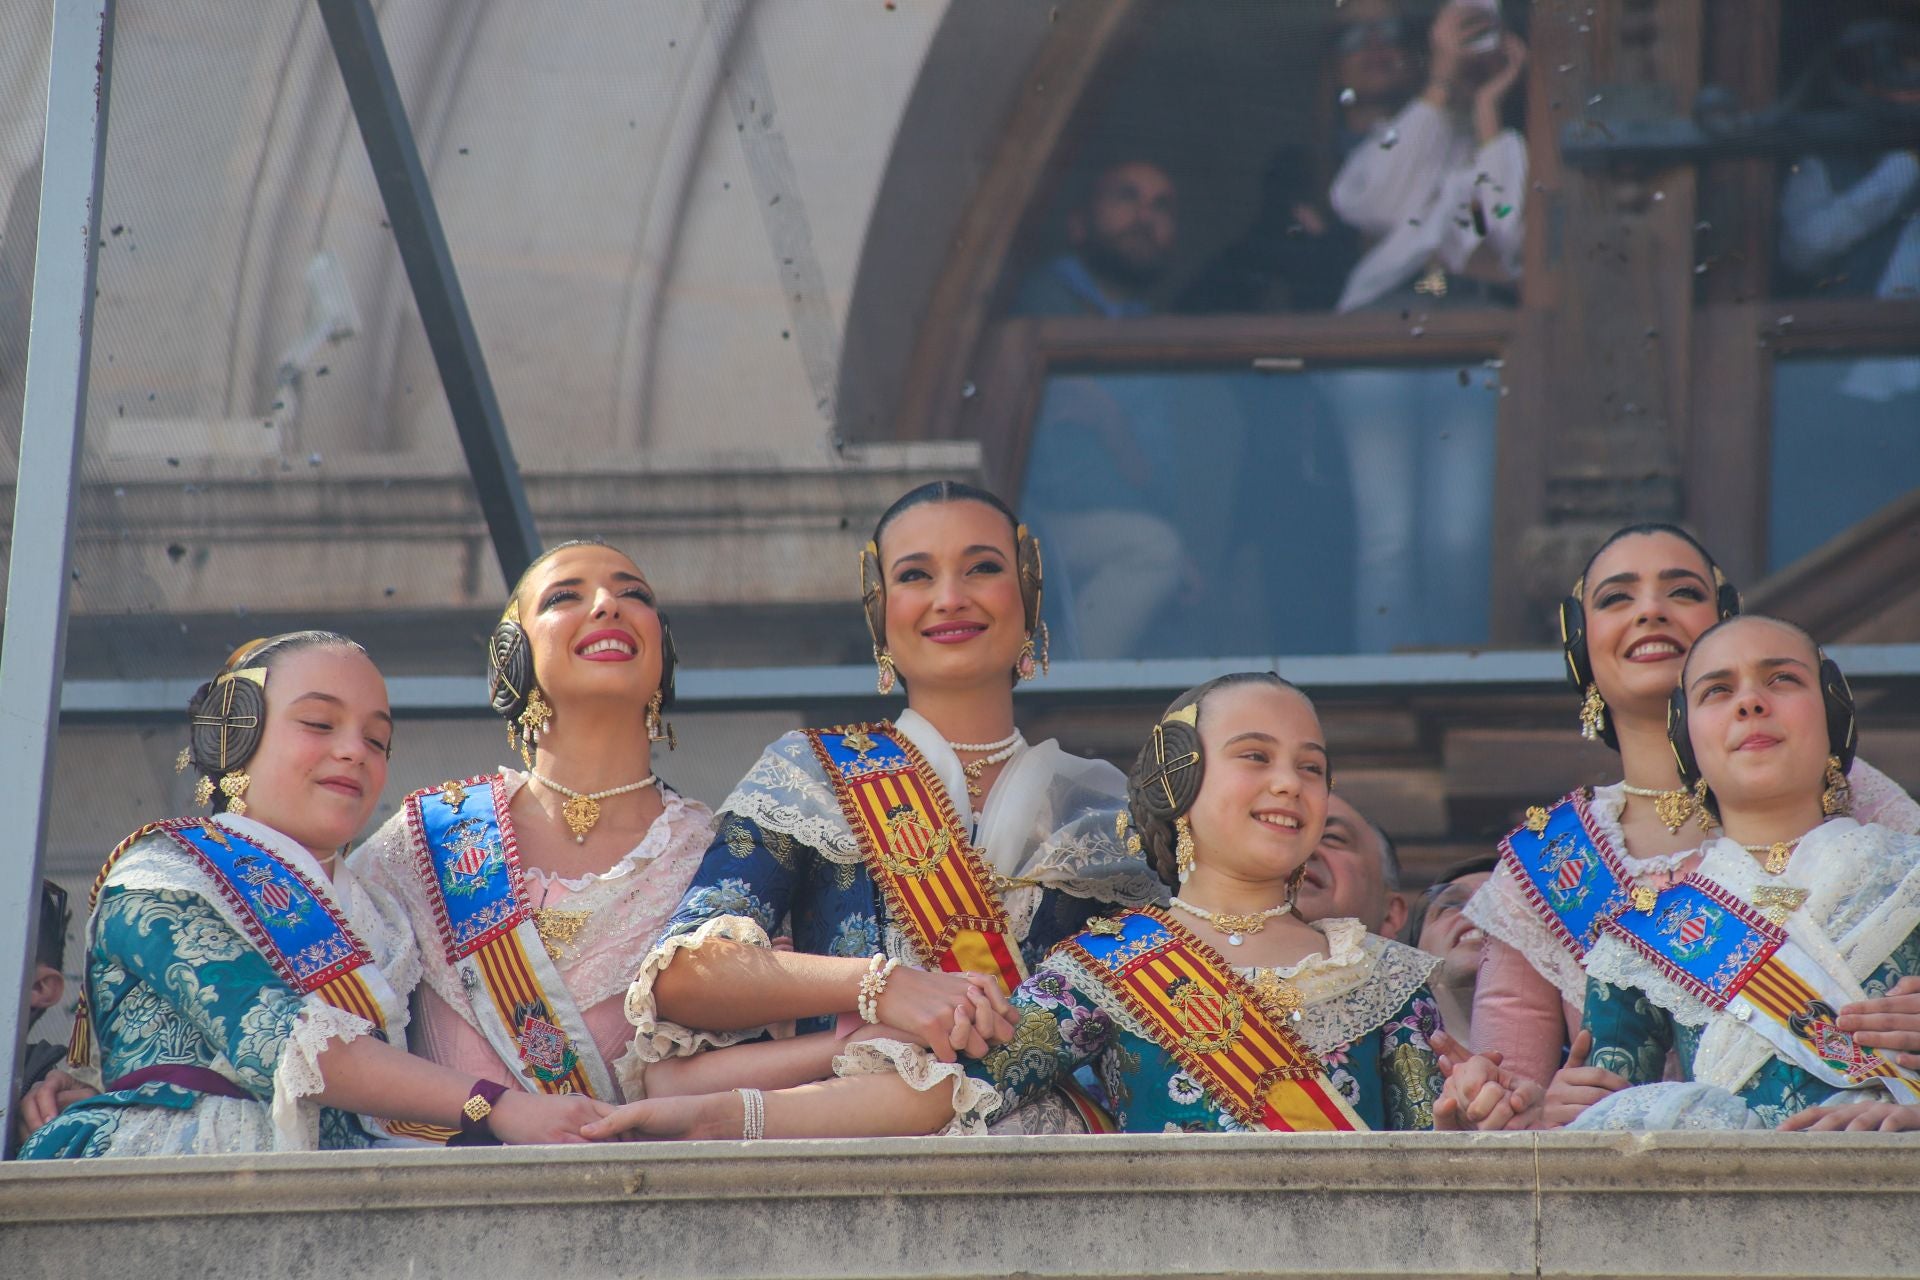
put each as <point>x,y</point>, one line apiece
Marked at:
<point>322,759</point>
<point>1347,875</point>
<point>589,617</point>
<point>955,617</point>
<point>1446,932</point>
<point>1263,801</point>
<point>1647,599</point>
<point>1756,716</point>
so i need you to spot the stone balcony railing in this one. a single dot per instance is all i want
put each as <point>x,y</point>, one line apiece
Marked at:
<point>1695,1205</point>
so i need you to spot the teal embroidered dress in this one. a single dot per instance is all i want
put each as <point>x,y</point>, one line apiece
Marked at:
<point>173,982</point>
<point>1367,1015</point>
<point>1858,920</point>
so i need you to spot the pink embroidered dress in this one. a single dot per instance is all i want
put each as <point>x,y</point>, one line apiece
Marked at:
<point>1531,987</point>
<point>625,907</point>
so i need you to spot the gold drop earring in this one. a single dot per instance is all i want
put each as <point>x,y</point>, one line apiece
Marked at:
<point>660,729</point>
<point>1593,714</point>
<point>887,678</point>
<point>1182,848</point>
<point>234,787</point>
<point>1700,806</point>
<point>1837,800</point>
<point>534,719</point>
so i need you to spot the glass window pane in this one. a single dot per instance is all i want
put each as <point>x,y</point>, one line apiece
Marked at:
<point>1259,157</point>
<point>1205,513</point>
<point>1846,442</point>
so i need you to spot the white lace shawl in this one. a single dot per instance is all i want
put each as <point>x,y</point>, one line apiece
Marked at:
<point>1863,900</point>
<point>1502,910</point>
<point>1048,823</point>
<point>1348,991</point>
<point>628,904</point>
<point>290,1122</point>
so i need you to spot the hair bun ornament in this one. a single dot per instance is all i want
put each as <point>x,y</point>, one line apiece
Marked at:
<point>509,665</point>
<point>229,715</point>
<point>1168,772</point>
<point>873,595</point>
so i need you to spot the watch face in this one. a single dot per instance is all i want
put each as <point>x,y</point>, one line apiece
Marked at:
<point>477,1108</point>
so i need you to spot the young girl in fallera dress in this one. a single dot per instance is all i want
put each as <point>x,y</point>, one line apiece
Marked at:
<point>244,991</point>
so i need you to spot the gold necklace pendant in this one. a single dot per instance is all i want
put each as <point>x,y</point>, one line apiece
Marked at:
<point>1776,902</point>
<point>580,813</point>
<point>559,929</point>
<point>1778,855</point>
<point>973,772</point>
<point>1674,808</point>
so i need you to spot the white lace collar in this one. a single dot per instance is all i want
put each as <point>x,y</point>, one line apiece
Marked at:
<point>1346,947</point>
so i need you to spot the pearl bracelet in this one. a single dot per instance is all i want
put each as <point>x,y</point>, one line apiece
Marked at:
<point>753,1124</point>
<point>872,983</point>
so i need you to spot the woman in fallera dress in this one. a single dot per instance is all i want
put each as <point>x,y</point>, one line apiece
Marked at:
<point>535,892</point>
<point>925,863</point>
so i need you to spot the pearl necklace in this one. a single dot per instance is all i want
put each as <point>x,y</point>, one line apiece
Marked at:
<point>582,809</point>
<point>1673,808</point>
<point>1233,926</point>
<point>994,753</point>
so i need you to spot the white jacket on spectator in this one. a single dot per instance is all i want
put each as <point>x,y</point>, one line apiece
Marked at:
<point>1413,184</point>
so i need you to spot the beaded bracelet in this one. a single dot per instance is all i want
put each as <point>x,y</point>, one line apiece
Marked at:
<point>872,983</point>
<point>753,1123</point>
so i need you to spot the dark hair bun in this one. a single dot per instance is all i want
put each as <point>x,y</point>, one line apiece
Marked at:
<point>1163,784</point>
<point>509,668</point>
<point>229,717</point>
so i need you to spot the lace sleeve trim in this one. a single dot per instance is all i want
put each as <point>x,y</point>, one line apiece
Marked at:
<point>974,1101</point>
<point>785,792</point>
<point>1880,800</point>
<point>654,1038</point>
<point>296,1123</point>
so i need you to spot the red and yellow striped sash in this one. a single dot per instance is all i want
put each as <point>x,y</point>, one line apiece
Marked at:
<point>936,886</point>
<point>1214,1023</point>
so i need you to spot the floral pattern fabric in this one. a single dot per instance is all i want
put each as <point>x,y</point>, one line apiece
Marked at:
<point>170,982</point>
<point>1066,1020</point>
<point>1632,1036</point>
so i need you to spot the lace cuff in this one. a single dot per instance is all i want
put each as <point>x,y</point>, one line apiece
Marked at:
<point>630,1074</point>
<point>296,1125</point>
<point>974,1101</point>
<point>654,1038</point>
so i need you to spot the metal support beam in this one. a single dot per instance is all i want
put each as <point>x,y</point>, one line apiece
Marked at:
<point>59,349</point>
<point>395,157</point>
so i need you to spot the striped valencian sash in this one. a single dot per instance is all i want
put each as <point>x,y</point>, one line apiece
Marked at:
<point>936,886</point>
<point>289,921</point>
<point>1213,1022</point>
<point>1568,871</point>
<point>1736,961</point>
<point>469,864</point>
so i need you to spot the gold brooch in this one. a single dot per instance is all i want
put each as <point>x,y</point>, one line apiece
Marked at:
<point>1536,819</point>
<point>1645,898</point>
<point>559,929</point>
<point>1777,902</point>
<point>1104,927</point>
<point>453,795</point>
<point>1280,998</point>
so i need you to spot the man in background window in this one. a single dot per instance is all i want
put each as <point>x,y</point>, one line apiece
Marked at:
<point>1105,448</point>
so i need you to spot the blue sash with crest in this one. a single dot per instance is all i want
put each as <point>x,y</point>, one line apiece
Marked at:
<point>469,863</point>
<point>1568,871</point>
<point>1738,962</point>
